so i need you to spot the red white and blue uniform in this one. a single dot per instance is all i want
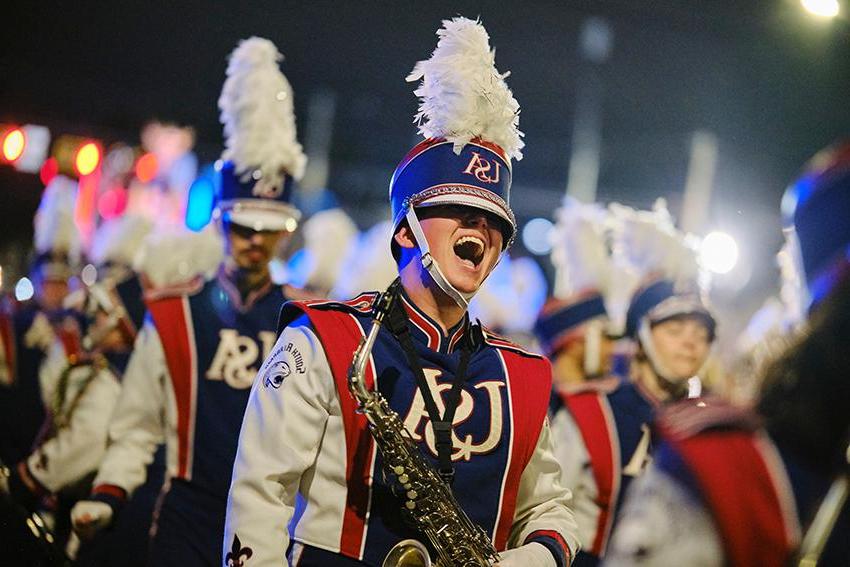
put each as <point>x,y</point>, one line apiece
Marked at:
<point>602,440</point>
<point>187,385</point>
<point>306,456</point>
<point>724,493</point>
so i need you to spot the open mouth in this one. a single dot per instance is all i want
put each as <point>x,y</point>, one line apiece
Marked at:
<point>470,250</point>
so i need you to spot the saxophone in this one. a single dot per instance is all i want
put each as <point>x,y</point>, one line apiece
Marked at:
<point>428,502</point>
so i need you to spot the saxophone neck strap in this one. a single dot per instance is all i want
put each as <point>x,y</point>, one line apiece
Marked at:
<point>442,425</point>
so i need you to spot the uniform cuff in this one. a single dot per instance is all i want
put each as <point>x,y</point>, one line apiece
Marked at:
<point>556,545</point>
<point>113,496</point>
<point>24,487</point>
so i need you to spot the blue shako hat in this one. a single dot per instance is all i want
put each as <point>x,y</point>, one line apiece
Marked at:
<point>660,301</point>
<point>262,157</point>
<point>432,173</point>
<point>469,119</point>
<point>583,276</point>
<point>817,209</point>
<point>559,318</point>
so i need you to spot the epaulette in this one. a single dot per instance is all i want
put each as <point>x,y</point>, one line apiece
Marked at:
<point>689,418</point>
<point>501,342</point>
<point>189,287</point>
<point>361,304</point>
<point>597,386</point>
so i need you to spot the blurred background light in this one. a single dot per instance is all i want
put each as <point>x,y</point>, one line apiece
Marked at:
<point>24,289</point>
<point>88,158</point>
<point>822,8</point>
<point>89,274</point>
<point>200,203</point>
<point>719,252</point>
<point>49,170</point>
<point>536,236</point>
<point>146,168</point>
<point>13,144</point>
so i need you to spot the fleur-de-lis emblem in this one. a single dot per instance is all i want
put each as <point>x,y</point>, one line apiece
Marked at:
<point>234,557</point>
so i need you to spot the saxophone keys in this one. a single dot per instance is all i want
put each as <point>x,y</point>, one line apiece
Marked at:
<point>410,505</point>
<point>398,470</point>
<point>403,479</point>
<point>411,494</point>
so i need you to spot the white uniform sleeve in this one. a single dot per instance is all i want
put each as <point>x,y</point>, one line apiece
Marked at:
<point>281,435</point>
<point>542,501</point>
<point>54,363</point>
<point>136,424</point>
<point>663,525</point>
<point>572,455</point>
<point>77,448</point>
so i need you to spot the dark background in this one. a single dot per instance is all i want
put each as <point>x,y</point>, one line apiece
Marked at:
<point>769,80</point>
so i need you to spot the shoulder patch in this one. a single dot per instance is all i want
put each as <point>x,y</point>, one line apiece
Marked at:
<point>500,342</point>
<point>689,418</point>
<point>361,304</point>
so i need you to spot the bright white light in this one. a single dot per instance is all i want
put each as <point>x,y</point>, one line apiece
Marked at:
<point>822,8</point>
<point>24,289</point>
<point>89,274</point>
<point>535,236</point>
<point>719,252</point>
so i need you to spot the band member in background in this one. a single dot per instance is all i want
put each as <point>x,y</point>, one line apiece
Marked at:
<point>730,486</point>
<point>474,403</point>
<point>28,329</point>
<point>602,427</point>
<point>196,356</point>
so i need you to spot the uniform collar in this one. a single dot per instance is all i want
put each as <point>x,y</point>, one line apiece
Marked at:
<point>226,283</point>
<point>425,330</point>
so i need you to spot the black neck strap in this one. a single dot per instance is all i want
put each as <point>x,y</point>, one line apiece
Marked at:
<point>442,425</point>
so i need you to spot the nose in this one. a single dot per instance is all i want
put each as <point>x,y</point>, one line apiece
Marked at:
<point>256,238</point>
<point>476,218</point>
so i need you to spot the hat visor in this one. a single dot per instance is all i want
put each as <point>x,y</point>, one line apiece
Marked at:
<point>477,202</point>
<point>261,216</point>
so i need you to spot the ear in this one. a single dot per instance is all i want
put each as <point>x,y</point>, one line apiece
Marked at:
<point>404,237</point>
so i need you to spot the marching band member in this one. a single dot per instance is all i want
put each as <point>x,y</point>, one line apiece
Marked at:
<point>473,404</point>
<point>730,486</point>
<point>197,353</point>
<point>602,426</point>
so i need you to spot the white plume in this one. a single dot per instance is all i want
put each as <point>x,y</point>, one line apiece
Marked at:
<point>462,96</point>
<point>328,238</point>
<point>258,114</point>
<point>579,250</point>
<point>118,240</point>
<point>55,230</point>
<point>646,245</point>
<point>175,255</point>
<point>370,265</point>
<point>511,297</point>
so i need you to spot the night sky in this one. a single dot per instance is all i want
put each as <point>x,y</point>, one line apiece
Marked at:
<point>770,81</point>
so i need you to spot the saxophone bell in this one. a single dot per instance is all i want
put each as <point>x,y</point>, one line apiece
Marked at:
<point>407,553</point>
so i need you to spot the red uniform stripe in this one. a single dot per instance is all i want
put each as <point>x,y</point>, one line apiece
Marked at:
<point>8,343</point>
<point>740,488</point>
<point>424,325</point>
<point>529,383</point>
<point>344,333</point>
<point>589,414</point>
<point>171,316</point>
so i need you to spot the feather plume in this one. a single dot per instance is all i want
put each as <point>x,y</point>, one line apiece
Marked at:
<point>258,114</point>
<point>118,240</point>
<point>55,230</point>
<point>645,245</point>
<point>175,255</point>
<point>328,238</point>
<point>579,249</point>
<point>370,265</point>
<point>462,96</point>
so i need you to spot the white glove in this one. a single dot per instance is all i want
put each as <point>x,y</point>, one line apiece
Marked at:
<point>529,555</point>
<point>89,517</point>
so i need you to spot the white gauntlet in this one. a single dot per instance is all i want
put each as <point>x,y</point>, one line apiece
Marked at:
<point>529,555</point>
